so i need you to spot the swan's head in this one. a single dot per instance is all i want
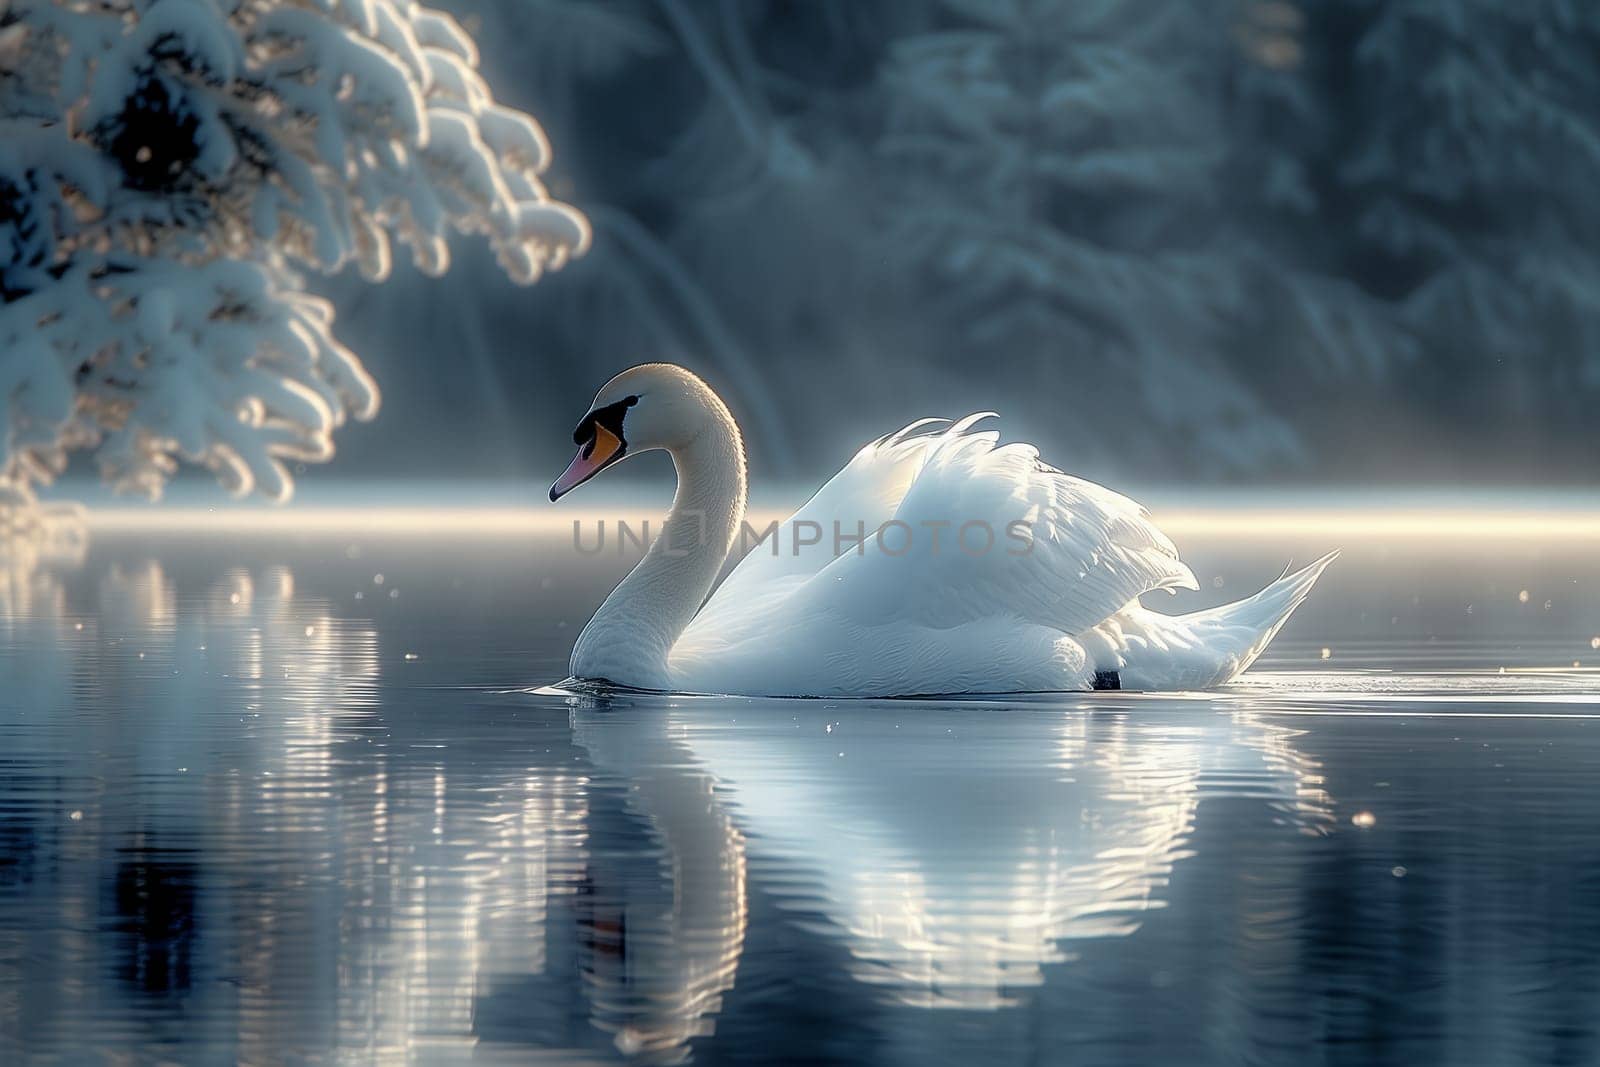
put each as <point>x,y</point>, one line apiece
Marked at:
<point>653,405</point>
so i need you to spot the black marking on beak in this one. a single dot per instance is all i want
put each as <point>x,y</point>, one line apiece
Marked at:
<point>609,416</point>
<point>605,422</point>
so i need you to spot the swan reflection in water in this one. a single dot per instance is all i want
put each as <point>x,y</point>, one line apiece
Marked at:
<point>952,861</point>
<point>662,950</point>
<point>247,834</point>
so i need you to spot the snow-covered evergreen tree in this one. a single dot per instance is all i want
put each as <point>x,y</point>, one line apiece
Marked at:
<point>1306,310</point>
<point>1468,169</point>
<point>1100,188</point>
<point>1061,161</point>
<point>1417,176</point>
<point>169,168</point>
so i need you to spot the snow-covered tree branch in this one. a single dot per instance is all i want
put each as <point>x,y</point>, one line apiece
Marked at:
<point>168,168</point>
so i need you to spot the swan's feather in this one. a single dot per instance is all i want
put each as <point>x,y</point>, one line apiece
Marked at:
<point>1067,554</point>
<point>868,488</point>
<point>1089,550</point>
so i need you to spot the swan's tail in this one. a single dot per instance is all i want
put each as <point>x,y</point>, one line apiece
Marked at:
<point>1209,648</point>
<point>1254,621</point>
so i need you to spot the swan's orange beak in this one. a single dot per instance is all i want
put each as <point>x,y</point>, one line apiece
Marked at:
<point>592,458</point>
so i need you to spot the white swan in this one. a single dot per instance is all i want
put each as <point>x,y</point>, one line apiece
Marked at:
<point>981,570</point>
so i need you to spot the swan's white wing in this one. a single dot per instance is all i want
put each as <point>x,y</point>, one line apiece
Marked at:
<point>1080,553</point>
<point>867,490</point>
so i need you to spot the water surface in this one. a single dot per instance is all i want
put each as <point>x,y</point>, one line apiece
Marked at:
<point>295,799</point>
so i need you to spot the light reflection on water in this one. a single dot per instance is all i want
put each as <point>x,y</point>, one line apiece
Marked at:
<point>238,823</point>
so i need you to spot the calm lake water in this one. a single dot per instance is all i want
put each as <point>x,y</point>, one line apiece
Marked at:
<point>294,799</point>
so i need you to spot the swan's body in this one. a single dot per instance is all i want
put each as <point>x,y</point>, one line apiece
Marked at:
<point>1050,605</point>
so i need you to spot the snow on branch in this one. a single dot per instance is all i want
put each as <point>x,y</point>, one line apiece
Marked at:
<point>167,170</point>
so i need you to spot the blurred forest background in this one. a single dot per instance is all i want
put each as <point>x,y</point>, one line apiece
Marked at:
<point>1234,240</point>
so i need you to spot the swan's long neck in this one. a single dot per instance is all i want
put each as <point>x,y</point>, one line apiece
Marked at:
<point>629,638</point>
